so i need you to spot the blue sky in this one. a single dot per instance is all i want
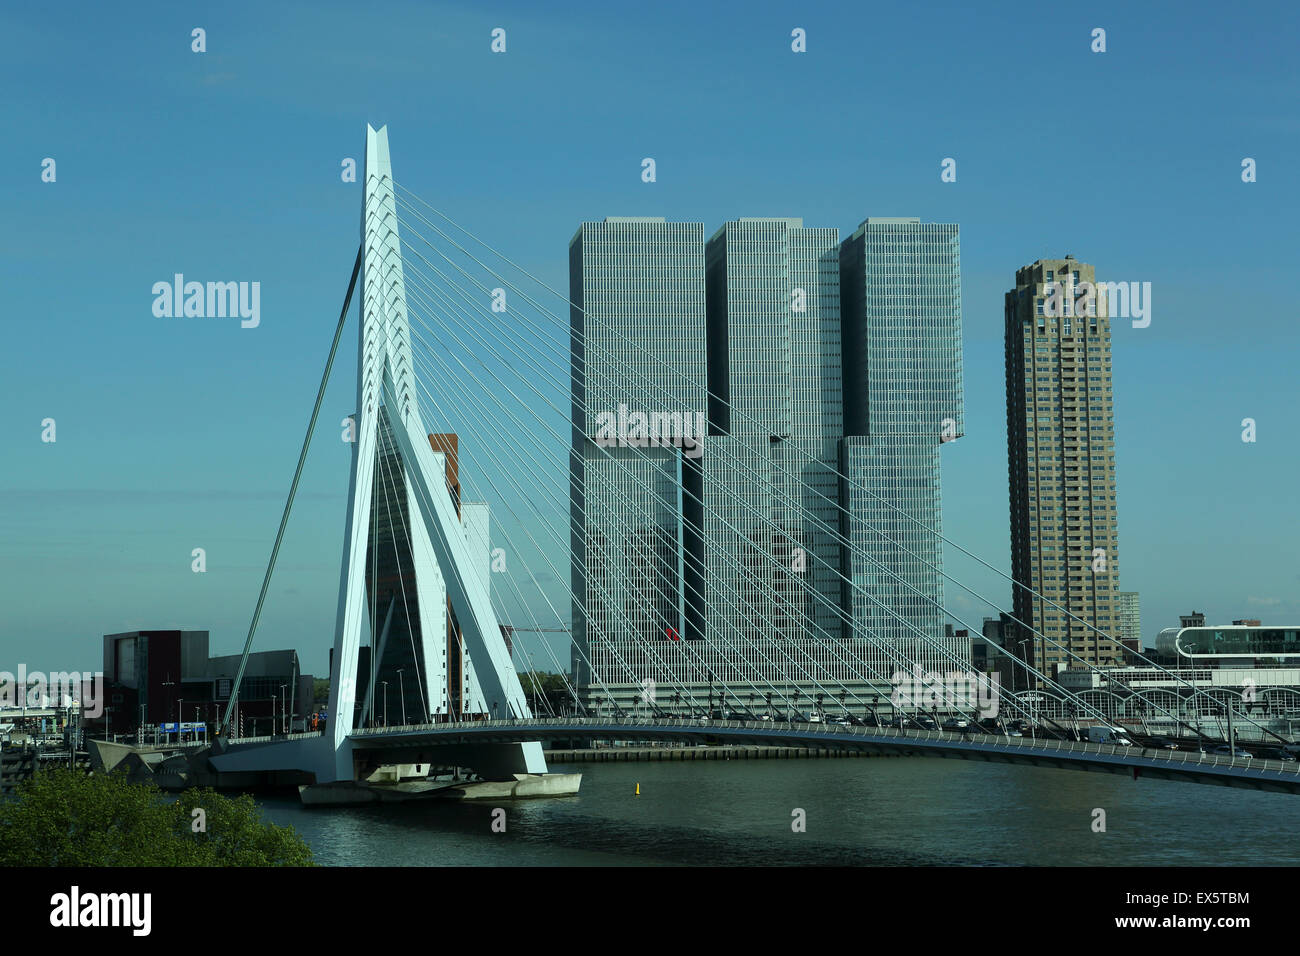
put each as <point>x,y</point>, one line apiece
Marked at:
<point>224,165</point>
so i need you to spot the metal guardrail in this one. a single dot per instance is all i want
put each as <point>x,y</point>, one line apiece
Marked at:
<point>812,732</point>
<point>267,738</point>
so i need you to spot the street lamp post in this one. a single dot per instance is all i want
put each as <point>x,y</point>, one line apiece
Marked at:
<point>283,728</point>
<point>401,690</point>
<point>293,691</point>
<point>385,683</point>
<point>169,684</point>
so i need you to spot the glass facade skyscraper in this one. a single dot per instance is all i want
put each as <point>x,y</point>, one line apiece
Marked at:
<point>724,570</point>
<point>900,283</point>
<point>638,323</point>
<point>762,557</point>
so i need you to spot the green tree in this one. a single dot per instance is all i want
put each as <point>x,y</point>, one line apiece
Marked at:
<point>320,690</point>
<point>69,818</point>
<point>545,691</point>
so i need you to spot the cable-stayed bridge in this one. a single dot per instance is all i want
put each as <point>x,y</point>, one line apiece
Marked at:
<point>456,339</point>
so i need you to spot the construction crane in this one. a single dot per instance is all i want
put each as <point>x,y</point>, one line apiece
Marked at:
<point>507,630</point>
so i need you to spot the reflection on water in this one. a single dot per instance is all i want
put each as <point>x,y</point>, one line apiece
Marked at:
<point>880,811</point>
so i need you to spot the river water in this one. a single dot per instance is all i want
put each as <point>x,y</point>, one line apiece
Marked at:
<point>908,811</point>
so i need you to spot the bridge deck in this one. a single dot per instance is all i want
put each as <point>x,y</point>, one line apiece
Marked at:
<point>1183,765</point>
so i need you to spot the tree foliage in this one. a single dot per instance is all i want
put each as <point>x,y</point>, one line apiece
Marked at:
<point>69,818</point>
<point>546,692</point>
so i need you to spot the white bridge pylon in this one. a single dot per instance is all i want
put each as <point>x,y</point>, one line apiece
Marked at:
<point>386,386</point>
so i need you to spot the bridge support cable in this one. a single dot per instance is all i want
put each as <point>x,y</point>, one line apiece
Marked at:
<point>288,505</point>
<point>508,412</point>
<point>907,662</point>
<point>388,397</point>
<point>386,483</point>
<point>376,642</point>
<point>880,645</point>
<point>650,647</point>
<point>1195,691</point>
<point>834,608</point>
<point>835,503</point>
<point>411,230</point>
<point>507,473</point>
<point>459,642</point>
<point>464,295</point>
<point>487,445</point>
<point>488,416</point>
<point>518,550</point>
<point>411,274</point>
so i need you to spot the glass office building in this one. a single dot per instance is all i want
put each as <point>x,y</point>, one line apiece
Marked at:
<point>766,551</point>
<point>900,283</point>
<point>723,572</point>
<point>638,325</point>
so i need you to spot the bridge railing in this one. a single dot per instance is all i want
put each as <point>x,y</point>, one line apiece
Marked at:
<point>591,726</point>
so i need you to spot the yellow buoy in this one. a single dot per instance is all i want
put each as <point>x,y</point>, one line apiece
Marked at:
<point>638,789</point>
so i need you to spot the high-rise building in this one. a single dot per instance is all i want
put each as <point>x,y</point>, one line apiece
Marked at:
<point>762,556</point>
<point>1061,463</point>
<point>900,287</point>
<point>638,330</point>
<point>720,566</point>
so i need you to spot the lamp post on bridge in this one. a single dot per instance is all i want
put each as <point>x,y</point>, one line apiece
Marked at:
<point>401,692</point>
<point>385,683</point>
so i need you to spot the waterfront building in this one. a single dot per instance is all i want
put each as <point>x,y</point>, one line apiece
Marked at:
<point>900,289</point>
<point>163,676</point>
<point>725,568</point>
<point>1061,463</point>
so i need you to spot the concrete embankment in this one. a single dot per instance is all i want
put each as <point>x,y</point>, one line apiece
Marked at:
<point>603,754</point>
